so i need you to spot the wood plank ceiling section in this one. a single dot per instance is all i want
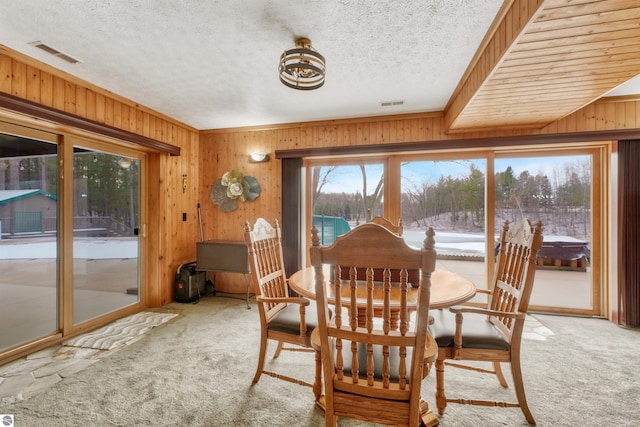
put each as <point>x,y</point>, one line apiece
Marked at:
<point>546,59</point>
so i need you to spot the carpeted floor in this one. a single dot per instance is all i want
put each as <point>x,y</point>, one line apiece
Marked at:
<point>197,369</point>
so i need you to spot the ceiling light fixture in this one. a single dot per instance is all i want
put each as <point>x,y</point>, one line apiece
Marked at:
<point>302,67</point>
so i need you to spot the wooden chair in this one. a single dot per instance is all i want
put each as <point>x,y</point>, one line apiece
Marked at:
<point>283,318</point>
<point>492,333</point>
<point>372,373</point>
<point>395,228</point>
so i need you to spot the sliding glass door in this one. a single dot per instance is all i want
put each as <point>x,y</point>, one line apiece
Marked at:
<point>106,206</point>
<point>557,189</point>
<point>70,229</point>
<point>466,197</point>
<point>28,239</point>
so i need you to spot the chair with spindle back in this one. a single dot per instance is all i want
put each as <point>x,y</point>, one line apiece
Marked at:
<point>283,318</point>
<point>492,333</point>
<point>371,371</point>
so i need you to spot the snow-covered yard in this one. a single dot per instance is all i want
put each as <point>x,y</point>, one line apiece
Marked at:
<point>28,248</point>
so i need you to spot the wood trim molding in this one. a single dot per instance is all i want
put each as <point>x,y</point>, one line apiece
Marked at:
<point>330,122</point>
<point>30,108</point>
<point>457,144</point>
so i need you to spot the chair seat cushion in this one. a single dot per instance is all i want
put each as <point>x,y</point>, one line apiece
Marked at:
<point>477,332</point>
<point>288,320</point>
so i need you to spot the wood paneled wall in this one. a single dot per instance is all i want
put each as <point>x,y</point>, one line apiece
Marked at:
<point>172,241</point>
<point>206,155</point>
<point>221,150</point>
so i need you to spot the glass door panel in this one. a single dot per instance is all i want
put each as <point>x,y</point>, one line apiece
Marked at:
<point>447,195</point>
<point>105,237</point>
<point>344,196</point>
<point>28,240</point>
<point>556,190</point>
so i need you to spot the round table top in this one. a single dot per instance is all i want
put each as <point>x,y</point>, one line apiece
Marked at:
<point>447,288</point>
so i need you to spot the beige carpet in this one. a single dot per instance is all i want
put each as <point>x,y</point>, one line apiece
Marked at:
<point>197,369</point>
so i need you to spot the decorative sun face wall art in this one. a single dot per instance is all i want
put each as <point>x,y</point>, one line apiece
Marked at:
<point>233,187</point>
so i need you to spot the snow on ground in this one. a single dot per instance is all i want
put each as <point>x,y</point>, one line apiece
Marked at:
<point>84,249</point>
<point>472,244</point>
<point>120,249</point>
<point>447,242</point>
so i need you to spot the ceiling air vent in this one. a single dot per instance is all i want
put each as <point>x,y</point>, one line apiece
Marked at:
<point>55,52</point>
<point>390,103</point>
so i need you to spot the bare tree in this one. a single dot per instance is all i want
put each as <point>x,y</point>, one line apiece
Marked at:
<point>319,178</point>
<point>372,201</point>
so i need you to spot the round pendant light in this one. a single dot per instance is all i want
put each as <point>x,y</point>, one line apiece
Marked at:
<point>302,67</point>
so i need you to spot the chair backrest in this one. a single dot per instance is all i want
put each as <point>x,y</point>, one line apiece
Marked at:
<point>265,254</point>
<point>396,228</point>
<point>375,360</point>
<point>414,275</point>
<point>515,270</point>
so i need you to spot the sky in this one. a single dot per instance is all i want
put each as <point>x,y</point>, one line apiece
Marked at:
<point>348,179</point>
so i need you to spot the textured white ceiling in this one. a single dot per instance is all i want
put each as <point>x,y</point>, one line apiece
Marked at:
<point>213,64</point>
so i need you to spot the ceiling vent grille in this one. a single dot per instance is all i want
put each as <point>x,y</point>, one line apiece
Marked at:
<point>55,52</point>
<point>391,103</point>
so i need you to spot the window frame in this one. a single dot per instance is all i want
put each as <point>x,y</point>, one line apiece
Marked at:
<point>600,152</point>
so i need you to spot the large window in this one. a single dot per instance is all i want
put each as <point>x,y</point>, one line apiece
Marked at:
<point>466,197</point>
<point>344,195</point>
<point>448,195</point>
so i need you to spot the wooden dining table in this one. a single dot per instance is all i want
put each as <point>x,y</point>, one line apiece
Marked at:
<point>447,288</point>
